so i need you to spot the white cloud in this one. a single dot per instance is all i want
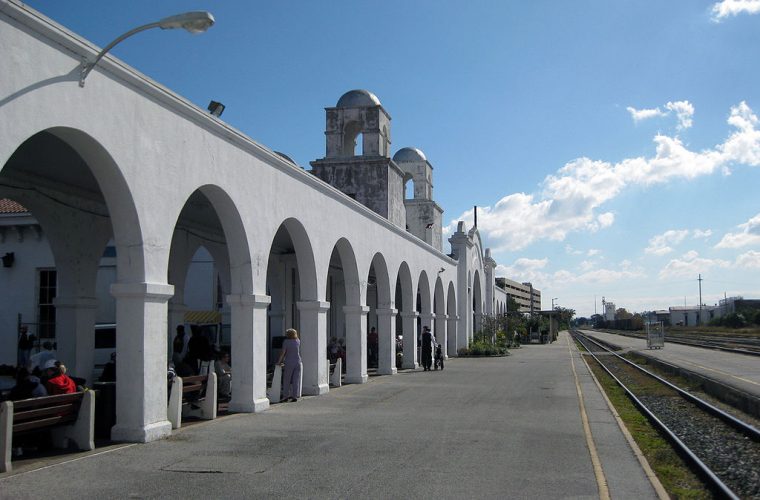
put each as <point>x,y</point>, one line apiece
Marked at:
<point>726,8</point>
<point>534,271</point>
<point>592,252</point>
<point>644,114</point>
<point>660,244</point>
<point>571,198</point>
<point>701,234</point>
<point>749,260</point>
<point>749,235</point>
<point>572,251</point>
<point>690,264</point>
<point>684,111</point>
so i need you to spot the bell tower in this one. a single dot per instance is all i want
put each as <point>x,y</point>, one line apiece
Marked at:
<point>362,168</point>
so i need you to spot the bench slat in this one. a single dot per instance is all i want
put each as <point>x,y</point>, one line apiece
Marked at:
<point>23,416</point>
<point>45,422</point>
<point>47,401</point>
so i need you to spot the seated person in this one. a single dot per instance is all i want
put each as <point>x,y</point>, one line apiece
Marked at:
<point>27,386</point>
<point>57,380</point>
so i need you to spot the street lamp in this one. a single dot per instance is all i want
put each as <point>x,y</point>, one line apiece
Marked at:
<point>194,22</point>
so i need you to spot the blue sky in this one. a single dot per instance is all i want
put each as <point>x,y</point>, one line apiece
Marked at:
<point>613,147</point>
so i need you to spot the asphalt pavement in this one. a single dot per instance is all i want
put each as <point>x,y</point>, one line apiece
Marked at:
<point>507,427</point>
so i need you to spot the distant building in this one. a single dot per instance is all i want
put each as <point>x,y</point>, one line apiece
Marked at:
<point>693,315</point>
<point>527,297</point>
<point>609,311</point>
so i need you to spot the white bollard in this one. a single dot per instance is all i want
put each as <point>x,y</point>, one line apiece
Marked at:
<point>335,378</point>
<point>275,392</point>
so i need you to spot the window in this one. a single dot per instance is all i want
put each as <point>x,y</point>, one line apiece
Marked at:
<point>45,309</point>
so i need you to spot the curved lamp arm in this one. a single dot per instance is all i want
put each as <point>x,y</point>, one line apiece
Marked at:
<point>194,22</point>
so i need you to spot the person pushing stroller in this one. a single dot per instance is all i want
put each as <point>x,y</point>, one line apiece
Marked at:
<point>438,360</point>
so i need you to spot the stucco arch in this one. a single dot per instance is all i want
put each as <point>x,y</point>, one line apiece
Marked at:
<point>382,283</point>
<point>355,288</point>
<point>423,289</point>
<point>307,269</point>
<point>111,184</point>
<point>404,285</point>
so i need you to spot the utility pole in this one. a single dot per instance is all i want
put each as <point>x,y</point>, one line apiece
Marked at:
<point>699,320</point>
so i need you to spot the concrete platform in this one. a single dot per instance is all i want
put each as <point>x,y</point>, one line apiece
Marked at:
<point>507,427</point>
<point>736,370</point>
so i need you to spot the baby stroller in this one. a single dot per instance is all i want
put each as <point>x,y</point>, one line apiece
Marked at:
<point>438,360</point>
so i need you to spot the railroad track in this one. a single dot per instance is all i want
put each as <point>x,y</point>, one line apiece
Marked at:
<point>722,449</point>
<point>746,346</point>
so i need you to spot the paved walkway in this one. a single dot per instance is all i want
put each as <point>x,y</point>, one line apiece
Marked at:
<point>486,428</point>
<point>736,370</point>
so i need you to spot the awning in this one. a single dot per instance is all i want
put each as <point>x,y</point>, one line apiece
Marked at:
<point>203,317</point>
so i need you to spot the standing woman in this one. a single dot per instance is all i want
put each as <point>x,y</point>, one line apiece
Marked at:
<point>291,353</point>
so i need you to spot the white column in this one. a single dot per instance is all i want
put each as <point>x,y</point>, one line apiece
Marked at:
<point>409,327</point>
<point>386,333</point>
<point>440,332</point>
<point>249,356</point>
<point>314,346</point>
<point>75,334</point>
<point>356,344</point>
<point>452,334</point>
<point>141,396</point>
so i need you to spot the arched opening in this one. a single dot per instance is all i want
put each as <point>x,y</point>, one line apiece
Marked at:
<point>77,234</point>
<point>477,304</point>
<point>381,345</point>
<point>451,309</point>
<point>347,317</point>
<point>208,243</point>
<point>291,286</point>
<point>424,306</point>
<point>439,308</point>
<point>352,137</point>
<point>406,328</point>
<point>408,187</point>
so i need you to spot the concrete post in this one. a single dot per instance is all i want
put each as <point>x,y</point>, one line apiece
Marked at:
<point>356,344</point>
<point>314,346</point>
<point>249,357</point>
<point>141,371</point>
<point>409,327</point>
<point>75,334</point>
<point>386,332</point>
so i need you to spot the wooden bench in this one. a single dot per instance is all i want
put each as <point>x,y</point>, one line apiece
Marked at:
<point>69,417</point>
<point>181,405</point>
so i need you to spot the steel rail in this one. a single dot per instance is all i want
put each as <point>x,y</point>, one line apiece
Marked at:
<point>739,425</point>
<point>713,480</point>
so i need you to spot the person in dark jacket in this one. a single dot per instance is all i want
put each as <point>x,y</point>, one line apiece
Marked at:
<point>27,386</point>
<point>427,348</point>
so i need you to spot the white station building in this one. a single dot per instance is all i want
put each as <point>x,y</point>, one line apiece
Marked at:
<point>124,163</point>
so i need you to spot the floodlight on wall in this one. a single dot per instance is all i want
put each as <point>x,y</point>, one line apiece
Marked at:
<point>216,108</point>
<point>8,259</point>
<point>194,22</point>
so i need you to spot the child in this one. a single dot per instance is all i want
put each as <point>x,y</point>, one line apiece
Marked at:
<point>438,357</point>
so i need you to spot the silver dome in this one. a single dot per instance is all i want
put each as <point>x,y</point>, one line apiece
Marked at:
<point>358,99</point>
<point>409,154</point>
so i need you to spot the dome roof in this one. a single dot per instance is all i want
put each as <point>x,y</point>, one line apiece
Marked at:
<point>409,154</point>
<point>358,99</point>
